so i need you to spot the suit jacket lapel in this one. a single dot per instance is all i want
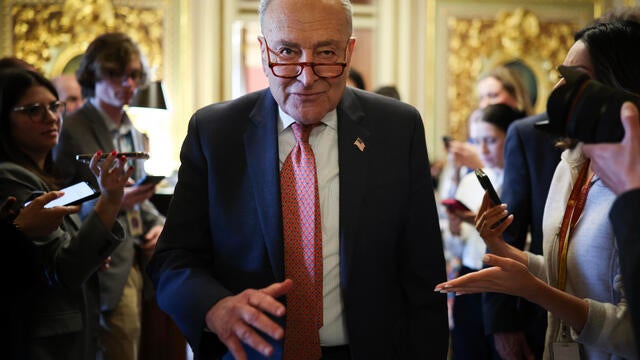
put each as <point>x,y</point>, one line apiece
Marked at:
<point>97,127</point>
<point>353,175</point>
<point>261,146</point>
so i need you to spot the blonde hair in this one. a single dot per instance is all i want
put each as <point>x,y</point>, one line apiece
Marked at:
<point>513,84</point>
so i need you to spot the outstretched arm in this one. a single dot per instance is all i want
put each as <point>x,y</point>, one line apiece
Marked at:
<point>511,277</point>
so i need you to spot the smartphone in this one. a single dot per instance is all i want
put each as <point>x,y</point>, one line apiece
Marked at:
<point>149,179</point>
<point>486,184</point>
<point>73,195</point>
<point>446,140</point>
<point>455,205</point>
<point>86,158</point>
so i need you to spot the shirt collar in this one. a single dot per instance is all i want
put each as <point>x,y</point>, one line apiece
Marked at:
<point>330,119</point>
<point>124,126</point>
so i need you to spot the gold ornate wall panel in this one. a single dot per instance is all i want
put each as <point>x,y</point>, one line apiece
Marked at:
<point>477,45</point>
<point>52,35</point>
<point>467,38</point>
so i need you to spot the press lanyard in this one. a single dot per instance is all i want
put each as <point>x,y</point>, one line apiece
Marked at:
<point>572,213</point>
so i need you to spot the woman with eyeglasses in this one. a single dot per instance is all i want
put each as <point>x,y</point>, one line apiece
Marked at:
<point>59,299</point>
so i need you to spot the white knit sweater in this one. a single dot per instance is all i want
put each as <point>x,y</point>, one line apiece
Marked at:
<point>593,271</point>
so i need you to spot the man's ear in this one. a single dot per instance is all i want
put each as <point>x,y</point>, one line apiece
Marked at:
<point>261,41</point>
<point>263,55</point>
<point>350,47</point>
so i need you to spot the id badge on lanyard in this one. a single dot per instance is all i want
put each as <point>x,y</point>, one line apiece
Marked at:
<point>566,348</point>
<point>566,351</point>
<point>134,222</point>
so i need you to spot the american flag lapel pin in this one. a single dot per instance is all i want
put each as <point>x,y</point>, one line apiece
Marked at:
<point>359,144</point>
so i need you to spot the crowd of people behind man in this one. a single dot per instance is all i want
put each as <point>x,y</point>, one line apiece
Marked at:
<point>84,288</point>
<point>305,224</point>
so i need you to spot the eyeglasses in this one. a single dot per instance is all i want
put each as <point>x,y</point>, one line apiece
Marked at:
<point>135,75</point>
<point>37,111</point>
<point>293,70</point>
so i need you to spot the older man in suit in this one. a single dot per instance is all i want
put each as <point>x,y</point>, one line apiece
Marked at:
<point>224,268</point>
<point>110,72</point>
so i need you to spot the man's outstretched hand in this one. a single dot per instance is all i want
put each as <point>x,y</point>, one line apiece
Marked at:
<point>235,318</point>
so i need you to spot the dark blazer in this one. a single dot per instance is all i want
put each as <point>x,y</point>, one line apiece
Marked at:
<point>530,162</point>
<point>62,319</point>
<point>17,275</point>
<point>624,218</point>
<point>224,229</point>
<point>84,132</point>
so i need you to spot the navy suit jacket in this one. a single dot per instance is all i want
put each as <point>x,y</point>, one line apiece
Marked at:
<point>624,219</point>
<point>224,229</point>
<point>530,162</point>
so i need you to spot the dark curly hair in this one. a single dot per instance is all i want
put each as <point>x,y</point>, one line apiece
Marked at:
<point>108,54</point>
<point>614,51</point>
<point>14,84</point>
<point>612,42</point>
<point>501,115</point>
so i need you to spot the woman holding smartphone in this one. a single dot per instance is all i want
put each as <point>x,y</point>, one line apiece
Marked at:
<point>61,304</point>
<point>578,280</point>
<point>487,132</point>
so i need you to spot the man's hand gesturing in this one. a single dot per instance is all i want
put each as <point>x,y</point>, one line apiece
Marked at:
<point>235,318</point>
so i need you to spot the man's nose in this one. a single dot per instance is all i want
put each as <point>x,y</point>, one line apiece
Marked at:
<point>307,76</point>
<point>128,81</point>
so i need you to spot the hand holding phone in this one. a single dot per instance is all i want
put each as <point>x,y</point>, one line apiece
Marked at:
<point>486,184</point>
<point>73,195</point>
<point>36,220</point>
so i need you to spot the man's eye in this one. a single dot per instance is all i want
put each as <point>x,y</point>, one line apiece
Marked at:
<point>286,52</point>
<point>327,55</point>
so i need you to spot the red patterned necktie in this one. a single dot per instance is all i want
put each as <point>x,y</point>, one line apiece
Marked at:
<point>302,248</point>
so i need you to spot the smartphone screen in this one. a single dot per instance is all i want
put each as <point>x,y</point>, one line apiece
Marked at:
<point>455,205</point>
<point>73,195</point>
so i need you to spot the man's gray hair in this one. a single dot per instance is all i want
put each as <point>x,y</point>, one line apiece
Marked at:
<point>346,4</point>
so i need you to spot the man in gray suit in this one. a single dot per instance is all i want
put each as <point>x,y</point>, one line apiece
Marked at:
<point>109,73</point>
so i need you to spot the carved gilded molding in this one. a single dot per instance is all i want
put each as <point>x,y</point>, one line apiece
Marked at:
<point>50,35</point>
<point>477,45</point>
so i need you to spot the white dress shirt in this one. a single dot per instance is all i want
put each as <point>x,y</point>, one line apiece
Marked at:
<point>324,142</point>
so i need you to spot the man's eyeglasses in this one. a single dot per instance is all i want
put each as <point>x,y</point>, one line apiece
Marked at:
<point>293,70</point>
<point>37,111</point>
<point>135,75</point>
